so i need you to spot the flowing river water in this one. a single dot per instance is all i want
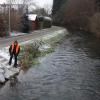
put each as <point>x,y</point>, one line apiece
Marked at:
<point>72,72</point>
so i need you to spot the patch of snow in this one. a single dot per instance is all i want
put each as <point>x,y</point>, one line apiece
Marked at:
<point>14,33</point>
<point>1,71</point>
<point>8,67</point>
<point>32,17</point>
<point>4,55</point>
<point>44,47</point>
<point>9,73</point>
<point>2,78</point>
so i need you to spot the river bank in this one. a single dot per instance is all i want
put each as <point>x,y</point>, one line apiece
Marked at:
<point>6,71</point>
<point>71,72</point>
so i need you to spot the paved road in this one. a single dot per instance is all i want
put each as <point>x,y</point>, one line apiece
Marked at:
<point>7,41</point>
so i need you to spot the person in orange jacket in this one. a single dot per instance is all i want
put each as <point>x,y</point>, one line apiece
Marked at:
<point>14,51</point>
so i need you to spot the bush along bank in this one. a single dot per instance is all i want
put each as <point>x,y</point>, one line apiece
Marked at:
<point>39,48</point>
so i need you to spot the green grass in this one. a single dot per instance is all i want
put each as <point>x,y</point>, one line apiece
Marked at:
<point>30,53</point>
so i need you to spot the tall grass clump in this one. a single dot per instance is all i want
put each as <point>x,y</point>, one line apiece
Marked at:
<point>29,55</point>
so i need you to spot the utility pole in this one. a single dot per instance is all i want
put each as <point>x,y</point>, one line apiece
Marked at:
<point>9,16</point>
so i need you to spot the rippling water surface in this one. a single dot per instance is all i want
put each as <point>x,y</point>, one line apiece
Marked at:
<point>72,72</point>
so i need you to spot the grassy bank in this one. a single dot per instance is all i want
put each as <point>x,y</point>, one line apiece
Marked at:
<point>38,48</point>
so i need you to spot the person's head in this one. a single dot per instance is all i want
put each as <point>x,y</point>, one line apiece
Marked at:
<point>15,42</point>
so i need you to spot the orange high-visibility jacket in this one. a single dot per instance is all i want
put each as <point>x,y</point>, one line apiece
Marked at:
<point>17,48</point>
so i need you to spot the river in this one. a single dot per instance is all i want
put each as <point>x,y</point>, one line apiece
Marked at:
<point>72,72</point>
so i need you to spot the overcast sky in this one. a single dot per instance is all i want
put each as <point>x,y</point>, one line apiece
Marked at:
<point>44,2</point>
<point>47,4</point>
<point>41,3</point>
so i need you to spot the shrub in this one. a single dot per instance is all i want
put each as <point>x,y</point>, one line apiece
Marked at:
<point>29,55</point>
<point>95,24</point>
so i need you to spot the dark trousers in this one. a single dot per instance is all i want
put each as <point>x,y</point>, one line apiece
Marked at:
<point>15,58</point>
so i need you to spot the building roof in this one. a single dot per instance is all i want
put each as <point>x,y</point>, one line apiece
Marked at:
<point>32,17</point>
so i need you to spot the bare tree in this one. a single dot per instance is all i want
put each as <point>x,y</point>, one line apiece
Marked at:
<point>78,12</point>
<point>73,13</point>
<point>17,10</point>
